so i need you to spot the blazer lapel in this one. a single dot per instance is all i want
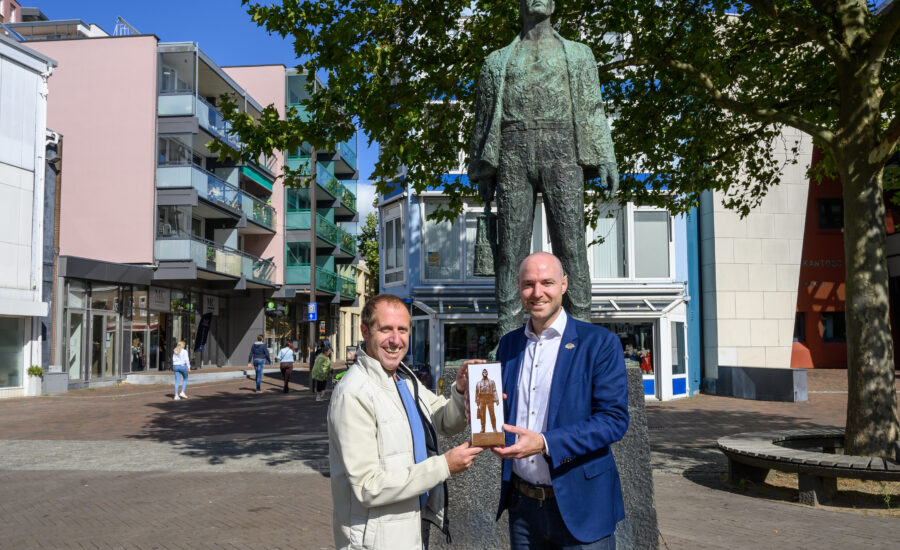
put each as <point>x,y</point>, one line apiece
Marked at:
<point>563,370</point>
<point>511,380</point>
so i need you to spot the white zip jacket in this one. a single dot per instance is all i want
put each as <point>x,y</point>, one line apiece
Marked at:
<point>375,482</point>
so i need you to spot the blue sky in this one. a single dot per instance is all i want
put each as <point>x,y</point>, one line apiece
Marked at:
<point>223,30</point>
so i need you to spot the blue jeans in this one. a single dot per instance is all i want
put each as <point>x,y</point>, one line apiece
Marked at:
<point>181,376</point>
<point>538,525</point>
<point>258,365</point>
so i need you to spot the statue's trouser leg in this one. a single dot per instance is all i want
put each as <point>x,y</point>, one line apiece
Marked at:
<point>493,417</point>
<point>515,209</point>
<point>562,183</point>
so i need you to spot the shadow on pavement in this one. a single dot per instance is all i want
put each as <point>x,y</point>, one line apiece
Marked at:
<point>272,427</point>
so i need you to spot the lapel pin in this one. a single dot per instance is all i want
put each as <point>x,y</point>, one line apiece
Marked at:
<point>570,346</point>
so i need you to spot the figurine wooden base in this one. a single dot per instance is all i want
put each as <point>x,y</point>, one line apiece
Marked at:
<point>493,439</point>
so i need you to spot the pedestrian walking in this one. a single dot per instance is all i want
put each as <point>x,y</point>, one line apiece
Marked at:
<point>259,358</point>
<point>180,365</point>
<point>321,371</point>
<point>286,362</point>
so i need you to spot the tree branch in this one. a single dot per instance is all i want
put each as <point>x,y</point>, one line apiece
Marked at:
<point>887,144</point>
<point>889,94</point>
<point>803,24</point>
<point>884,34</point>
<point>724,101</point>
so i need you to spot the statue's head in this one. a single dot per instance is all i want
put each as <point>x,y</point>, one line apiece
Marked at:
<point>538,9</point>
<point>484,373</point>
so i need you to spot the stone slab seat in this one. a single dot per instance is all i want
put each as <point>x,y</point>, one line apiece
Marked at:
<point>752,455</point>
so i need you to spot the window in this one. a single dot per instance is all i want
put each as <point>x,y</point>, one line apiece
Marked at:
<point>297,253</point>
<point>441,245</point>
<point>173,222</point>
<point>637,344</point>
<point>607,258</point>
<point>393,245</point>
<point>12,351</point>
<point>176,151</point>
<point>651,244</point>
<point>800,327</point>
<point>834,328</point>
<point>470,341</point>
<point>831,213</point>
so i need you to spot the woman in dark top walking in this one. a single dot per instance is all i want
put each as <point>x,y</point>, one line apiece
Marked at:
<point>259,358</point>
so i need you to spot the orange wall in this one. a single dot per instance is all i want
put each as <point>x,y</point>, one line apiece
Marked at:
<point>821,280</point>
<point>102,99</point>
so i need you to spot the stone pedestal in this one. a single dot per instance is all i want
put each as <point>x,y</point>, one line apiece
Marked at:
<point>474,494</point>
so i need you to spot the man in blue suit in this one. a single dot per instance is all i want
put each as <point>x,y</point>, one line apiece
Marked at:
<point>567,395</point>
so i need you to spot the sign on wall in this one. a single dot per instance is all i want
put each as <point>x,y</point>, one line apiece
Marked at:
<point>210,304</point>
<point>160,298</point>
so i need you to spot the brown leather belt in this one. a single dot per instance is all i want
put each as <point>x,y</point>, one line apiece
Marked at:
<point>537,492</point>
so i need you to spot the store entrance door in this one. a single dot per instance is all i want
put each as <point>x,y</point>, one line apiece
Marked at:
<point>104,345</point>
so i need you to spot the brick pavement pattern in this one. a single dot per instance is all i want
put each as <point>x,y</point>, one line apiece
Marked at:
<point>128,467</point>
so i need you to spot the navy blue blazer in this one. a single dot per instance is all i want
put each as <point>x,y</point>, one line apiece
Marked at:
<point>587,411</point>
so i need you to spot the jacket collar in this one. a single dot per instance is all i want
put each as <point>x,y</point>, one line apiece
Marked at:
<point>376,372</point>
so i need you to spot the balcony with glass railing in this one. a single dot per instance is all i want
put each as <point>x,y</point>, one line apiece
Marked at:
<point>214,257</point>
<point>215,190</point>
<point>348,242</point>
<point>348,197</point>
<point>325,230</point>
<point>298,274</point>
<point>348,152</point>
<point>347,287</point>
<point>178,103</point>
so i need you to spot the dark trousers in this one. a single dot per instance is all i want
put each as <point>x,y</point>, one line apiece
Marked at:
<point>286,370</point>
<point>543,161</point>
<point>538,525</point>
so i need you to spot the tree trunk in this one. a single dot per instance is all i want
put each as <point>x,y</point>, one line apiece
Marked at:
<point>872,424</point>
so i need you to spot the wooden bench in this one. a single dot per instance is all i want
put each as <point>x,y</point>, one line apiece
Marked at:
<point>816,456</point>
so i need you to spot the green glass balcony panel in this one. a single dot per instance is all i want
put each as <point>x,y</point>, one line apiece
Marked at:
<point>348,151</point>
<point>348,287</point>
<point>348,242</point>
<point>258,175</point>
<point>327,230</point>
<point>297,219</point>
<point>298,274</point>
<point>348,197</point>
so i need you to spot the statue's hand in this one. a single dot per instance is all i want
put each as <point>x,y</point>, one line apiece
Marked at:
<point>609,175</point>
<point>486,188</point>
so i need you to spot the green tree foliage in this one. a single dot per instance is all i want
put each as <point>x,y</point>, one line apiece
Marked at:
<point>700,91</point>
<point>368,244</point>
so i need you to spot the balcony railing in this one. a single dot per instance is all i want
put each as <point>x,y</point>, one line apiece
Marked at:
<point>214,257</point>
<point>348,198</point>
<point>299,219</point>
<point>348,242</point>
<point>348,153</point>
<point>298,274</point>
<point>180,103</point>
<point>215,190</point>
<point>348,287</point>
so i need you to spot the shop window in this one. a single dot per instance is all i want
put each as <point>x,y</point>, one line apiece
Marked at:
<point>105,297</point>
<point>652,236</point>
<point>800,327</point>
<point>393,246</point>
<point>637,344</point>
<point>441,245</point>
<point>607,256</point>
<point>831,214</point>
<point>834,328</point>
<point>76,296</point>
<point>679,362</point>
<point>468,341</point>
<point>12,350</point>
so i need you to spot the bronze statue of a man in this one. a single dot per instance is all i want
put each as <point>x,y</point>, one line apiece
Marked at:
<point>540,127</point>
<point>486,397</point>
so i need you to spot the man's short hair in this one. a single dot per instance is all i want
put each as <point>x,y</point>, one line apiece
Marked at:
<point>368,312</point>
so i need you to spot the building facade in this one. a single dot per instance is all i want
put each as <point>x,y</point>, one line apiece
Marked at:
<point>639,280</point>
<point>161,241</point>
<point>23,141</point>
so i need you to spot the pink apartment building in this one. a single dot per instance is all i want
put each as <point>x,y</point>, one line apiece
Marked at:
<point>159,240</point>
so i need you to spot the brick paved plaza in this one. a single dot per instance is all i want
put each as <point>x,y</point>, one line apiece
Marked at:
<point>128,467</point>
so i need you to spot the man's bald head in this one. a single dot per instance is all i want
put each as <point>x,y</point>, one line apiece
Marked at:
<point>538,258</point>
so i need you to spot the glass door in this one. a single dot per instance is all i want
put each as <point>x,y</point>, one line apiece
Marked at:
<point>75,336</point>
<point>679,359</point>
<point>103,340</point>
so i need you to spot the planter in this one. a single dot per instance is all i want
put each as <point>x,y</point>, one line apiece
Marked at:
<point>32,386</point>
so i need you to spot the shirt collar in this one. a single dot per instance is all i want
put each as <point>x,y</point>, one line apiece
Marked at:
<point>555,329</point>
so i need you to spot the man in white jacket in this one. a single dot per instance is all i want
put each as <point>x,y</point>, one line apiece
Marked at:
<point>387,476</point>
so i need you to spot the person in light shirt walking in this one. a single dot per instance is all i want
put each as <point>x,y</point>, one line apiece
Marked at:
<point>285,360</point>
<point>181,363</point>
